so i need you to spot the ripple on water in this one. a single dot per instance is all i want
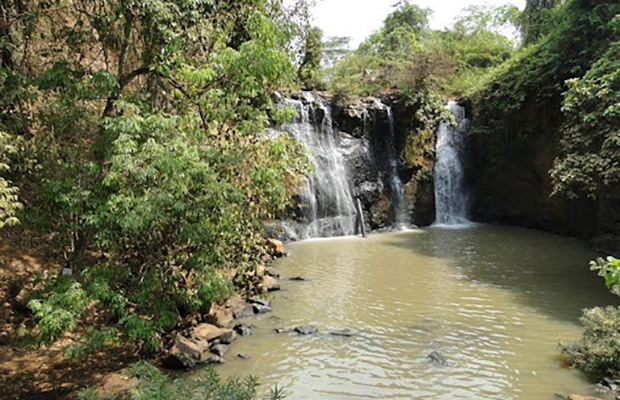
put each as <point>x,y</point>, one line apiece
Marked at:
<point>473,295</point>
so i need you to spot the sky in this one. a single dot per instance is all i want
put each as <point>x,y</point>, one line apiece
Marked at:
<point>359,18</point>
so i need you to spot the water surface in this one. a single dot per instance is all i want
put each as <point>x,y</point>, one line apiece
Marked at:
<point>494,301</point>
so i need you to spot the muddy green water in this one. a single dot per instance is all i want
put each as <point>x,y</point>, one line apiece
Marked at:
<point>494,301</point>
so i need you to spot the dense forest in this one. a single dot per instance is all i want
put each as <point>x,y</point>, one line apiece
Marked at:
<point>134,153</point>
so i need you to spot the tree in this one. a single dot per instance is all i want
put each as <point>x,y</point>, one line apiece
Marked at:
<point>536,19</point>
<point>152,173</point>
<point>334,49</point>
<point>310,71</point>
<point>409,15</point>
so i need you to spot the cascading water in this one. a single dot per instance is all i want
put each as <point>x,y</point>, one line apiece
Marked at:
<point>398,200</point>
<point>328,207</point>
<point>451,198</point>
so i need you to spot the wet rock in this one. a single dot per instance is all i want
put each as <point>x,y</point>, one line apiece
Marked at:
<point>219,349</point>
<point>297,278</point>
<point>343,332</point>
<point>276,247</point>
<point>268,284</point>
<point>306,329</point>
<point>244,329</point>
<point>210,358</point>
<point>437,358</point>
<point>610,384</point>
<point>281,330</point>
<point>244,356</point>
<point>557,396</point>
<point>244,312</point>
<point>261,309</point>
<point>259,301</point>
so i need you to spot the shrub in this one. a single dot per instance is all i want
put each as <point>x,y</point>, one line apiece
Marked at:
<point>597,353</point>
<point>152,384</point>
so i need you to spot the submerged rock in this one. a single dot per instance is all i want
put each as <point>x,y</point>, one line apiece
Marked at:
<point>437,358</point>
<point>297,278</point>
<point>281,330</point>
<point>244,356</point>
<point>306,329</point>
<point>343,332</point>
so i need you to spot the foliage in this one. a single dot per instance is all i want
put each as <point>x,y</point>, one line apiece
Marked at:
<point>334,49</point>
<point>598,351</point>
<point>609,269</point>
<point>310,72</point>
<point>530,85</point>
<point>589,162</point>
<point>59,310</point>
<point>147,162</point>
<point>151,384</point>
<point>537,19</point>
<point>408,15</point>
<point>9,202</point>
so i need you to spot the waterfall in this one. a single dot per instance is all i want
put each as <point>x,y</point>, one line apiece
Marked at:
<point>328,207</point>
<point>398,200</point>
<point>451,198</point>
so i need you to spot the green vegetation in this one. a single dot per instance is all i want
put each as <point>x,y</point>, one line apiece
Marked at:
<point>530,85</point>
<point>151,384</point>
<point>597,353</point>
<point>589,161</point>
<point>134,133</point>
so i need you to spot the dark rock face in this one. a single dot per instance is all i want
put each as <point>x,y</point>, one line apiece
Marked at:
<point>513,185</point>
<point>370,148</point>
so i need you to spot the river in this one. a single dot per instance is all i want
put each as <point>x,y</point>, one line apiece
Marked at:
<point>494,301</point>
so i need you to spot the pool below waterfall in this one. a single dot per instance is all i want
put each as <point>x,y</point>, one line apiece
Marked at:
<point>493,301</point>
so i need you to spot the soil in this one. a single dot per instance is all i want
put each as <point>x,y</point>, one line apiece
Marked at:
<point>44,373</point>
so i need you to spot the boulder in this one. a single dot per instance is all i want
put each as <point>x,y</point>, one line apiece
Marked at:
<point>268,284</point>
<point>244,312</point>
<point>244,329</point>
<point>259,301</point>
<point>219,349</point>
<point>276,247</point>
<point>208,332</point>
<point>261,309</point>
<point>210,358</point>
<point>185,353</point>
<point>306,329</point>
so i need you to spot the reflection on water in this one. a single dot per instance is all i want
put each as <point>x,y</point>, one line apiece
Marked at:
<point>494,301</point>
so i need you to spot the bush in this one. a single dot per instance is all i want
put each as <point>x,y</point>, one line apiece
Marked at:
<point>597,353</point>
<point>152,384</point>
